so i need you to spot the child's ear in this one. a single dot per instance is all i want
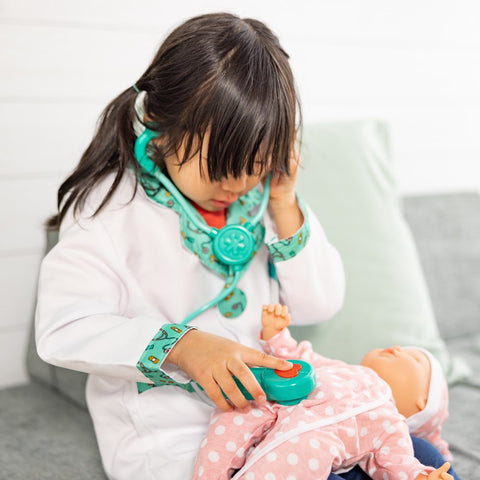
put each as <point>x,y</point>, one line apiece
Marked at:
<point>421,403</point>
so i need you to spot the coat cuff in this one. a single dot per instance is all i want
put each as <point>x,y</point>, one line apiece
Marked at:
<point>151,360</point>
<point>286,248</point>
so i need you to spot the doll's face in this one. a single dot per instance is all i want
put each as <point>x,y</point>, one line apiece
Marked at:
<point>407,371</point>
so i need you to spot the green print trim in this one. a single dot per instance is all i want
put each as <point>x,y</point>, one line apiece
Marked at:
<point>154,355</point>
<point>286,248</point>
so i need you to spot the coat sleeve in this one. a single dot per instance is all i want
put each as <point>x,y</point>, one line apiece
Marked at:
<point>80,314</point>
<point>309,271</point>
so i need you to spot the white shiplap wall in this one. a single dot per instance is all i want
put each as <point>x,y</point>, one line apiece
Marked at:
<point>415,64</point>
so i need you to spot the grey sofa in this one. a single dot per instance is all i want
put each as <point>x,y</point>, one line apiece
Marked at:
<point>46,432</point>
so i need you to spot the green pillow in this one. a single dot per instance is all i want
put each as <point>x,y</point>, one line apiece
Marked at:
<point>347,180</point>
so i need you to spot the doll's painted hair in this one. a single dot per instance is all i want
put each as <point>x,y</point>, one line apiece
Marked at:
<point>216,74</point>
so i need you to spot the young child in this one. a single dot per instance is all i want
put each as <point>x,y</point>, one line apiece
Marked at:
<point>350,418</point>
<point>123,295</point>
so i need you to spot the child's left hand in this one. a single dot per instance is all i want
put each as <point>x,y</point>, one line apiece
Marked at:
<point>282,203</point>
<point>282,186</point>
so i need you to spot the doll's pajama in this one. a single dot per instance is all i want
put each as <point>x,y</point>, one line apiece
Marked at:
<point>349,419</point>
<point>115,279</point>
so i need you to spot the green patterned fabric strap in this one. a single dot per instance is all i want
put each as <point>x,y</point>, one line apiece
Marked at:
<point>286,248</point>
<point>154,355</point>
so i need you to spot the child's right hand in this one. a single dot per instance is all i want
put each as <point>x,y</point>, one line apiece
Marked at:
<point>211,361</point>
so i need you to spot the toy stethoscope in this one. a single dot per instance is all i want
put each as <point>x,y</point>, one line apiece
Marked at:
<point>233,245</point>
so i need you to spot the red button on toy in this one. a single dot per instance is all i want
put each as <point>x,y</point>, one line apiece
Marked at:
<point>293,372</point>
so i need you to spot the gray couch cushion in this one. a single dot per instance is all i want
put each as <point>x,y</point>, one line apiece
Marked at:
<point>45,437</point>
<point>446,229</point>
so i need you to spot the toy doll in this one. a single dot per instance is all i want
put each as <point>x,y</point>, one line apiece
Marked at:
<point>349,419</point>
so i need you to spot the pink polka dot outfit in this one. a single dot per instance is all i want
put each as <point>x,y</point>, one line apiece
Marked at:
<point>349,419</point>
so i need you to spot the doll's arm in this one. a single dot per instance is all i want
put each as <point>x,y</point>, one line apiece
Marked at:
<point>276,339</point>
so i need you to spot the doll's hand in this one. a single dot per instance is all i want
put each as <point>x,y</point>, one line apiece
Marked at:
<point>211,361</point>
<point>274,319</point>
<point>438,474</point>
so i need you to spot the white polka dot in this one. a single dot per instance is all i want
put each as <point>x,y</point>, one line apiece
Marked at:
<point>238,420</point>
<point>338,395</point>
<point>402,476</point>
<point>230,446</point>
<point>294,439</point>
<point>291,477</point>
<point>373,415</point>
<point>372,471</point>
<point>388,427</point>
<point>377,443</point>
<point>247,436</point>
<point>292,458</point>
<point>402,442</point>
<point>270,476</point>
<point>214,419</point>
<point>256,412</point>
<point>250,476</point>
<point>240,452</point>
<point>351,432</point>
<point>385,476</point>
<point>271,457</point>
<point>278,434</point>
<point>220,430</point>
<point>320,394</point>
<point>363,431</point>
<point>434,421</point>
<point>329,410</point>
<point>204,442</point>
<point>314,443</point>
<point>285,420</point>
<point>333,450</point>
<point>213,456</point>
<point>200,471</point>
<point>385,450</point>
<point>313,464</point>
<point>301,423</point>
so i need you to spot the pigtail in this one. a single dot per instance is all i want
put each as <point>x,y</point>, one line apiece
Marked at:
<point>111,150</point>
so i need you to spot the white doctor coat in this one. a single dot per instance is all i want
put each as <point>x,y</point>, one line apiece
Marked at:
<point>109,285</point>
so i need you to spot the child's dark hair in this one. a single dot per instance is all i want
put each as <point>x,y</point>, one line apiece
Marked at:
<point>215,73</point>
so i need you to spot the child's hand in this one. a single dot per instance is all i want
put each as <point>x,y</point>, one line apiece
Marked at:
<point>438,474</point>
<point>211,361</point>
<point>282,186</point>
<point>274,319</point>
<point>282,203</point>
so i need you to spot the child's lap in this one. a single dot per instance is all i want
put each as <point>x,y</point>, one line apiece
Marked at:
<point>141,435</point>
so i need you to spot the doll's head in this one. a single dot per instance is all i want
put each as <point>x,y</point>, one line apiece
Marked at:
<point>418,386</point>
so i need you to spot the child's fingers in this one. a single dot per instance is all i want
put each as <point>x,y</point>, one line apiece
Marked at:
<point>260,359</point>
<point>231,390</point>
<point>284,311</point>
<point>215,394</point>
<point>245,376</point>
<point>278,309</point>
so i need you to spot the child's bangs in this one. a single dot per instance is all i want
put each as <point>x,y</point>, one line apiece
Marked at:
<point>245,137</point>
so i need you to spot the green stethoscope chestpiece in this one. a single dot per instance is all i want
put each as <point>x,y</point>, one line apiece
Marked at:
<point>286,388</point>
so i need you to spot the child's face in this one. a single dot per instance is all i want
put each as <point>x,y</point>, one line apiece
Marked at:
<point>211,196</point>
<point>407,371</point>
